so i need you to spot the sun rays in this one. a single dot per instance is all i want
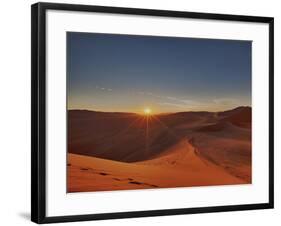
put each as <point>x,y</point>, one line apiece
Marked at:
<point>145,124</point>
<point>148,122</point>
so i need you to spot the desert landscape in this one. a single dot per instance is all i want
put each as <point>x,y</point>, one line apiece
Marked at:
<point>120,151</point>
<point>151,112</point>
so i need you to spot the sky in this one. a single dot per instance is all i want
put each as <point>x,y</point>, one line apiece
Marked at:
<point>128,73</point>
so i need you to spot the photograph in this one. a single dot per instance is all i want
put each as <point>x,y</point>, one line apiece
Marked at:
<point>154,112</point>
<point>145,112</point>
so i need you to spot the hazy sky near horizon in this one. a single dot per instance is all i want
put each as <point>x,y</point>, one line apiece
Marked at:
<point>127,73</point>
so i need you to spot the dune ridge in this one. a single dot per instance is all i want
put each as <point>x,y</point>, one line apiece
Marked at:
<point>178,167</point>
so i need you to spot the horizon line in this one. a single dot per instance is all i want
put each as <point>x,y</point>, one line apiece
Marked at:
<point>126,112</point>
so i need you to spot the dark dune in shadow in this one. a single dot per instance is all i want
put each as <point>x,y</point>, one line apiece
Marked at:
<point>116,136</point>
<point>125,136</point>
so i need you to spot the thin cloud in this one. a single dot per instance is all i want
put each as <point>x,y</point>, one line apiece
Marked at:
<point>225,101</point>
<point>172,104</point>
<point>172,100</point>
<point>104,88</point>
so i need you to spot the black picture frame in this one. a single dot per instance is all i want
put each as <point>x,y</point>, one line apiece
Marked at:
<point>38,111</point>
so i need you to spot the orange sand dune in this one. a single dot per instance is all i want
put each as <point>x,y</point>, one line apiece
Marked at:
<point>180,166</point>
<point>115,151</point>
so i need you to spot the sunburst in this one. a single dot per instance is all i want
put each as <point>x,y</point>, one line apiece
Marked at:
<point>147,111</point>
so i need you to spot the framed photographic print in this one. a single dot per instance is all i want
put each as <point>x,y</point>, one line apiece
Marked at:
<point>139,112</point>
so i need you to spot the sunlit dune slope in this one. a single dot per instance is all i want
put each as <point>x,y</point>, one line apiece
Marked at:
<point>180,166</point>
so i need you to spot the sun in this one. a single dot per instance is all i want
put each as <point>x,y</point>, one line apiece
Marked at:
<point>147,111</point>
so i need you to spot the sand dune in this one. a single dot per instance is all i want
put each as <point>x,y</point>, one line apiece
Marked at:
<point>179,167</point>
<point>115,151</point>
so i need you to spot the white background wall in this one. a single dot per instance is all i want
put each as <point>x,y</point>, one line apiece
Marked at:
<point>15,111</point>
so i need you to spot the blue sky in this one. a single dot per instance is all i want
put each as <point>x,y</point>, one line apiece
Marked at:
<point>127,73</point>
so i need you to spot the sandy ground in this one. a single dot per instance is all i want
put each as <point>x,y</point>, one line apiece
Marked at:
<point>180,166</point>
